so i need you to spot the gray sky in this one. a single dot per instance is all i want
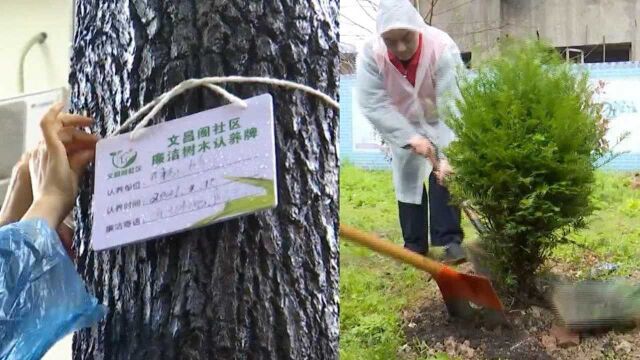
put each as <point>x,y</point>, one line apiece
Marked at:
<point>357,21</point>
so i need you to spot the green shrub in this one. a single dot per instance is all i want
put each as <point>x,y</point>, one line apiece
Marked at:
<point>528,136</point>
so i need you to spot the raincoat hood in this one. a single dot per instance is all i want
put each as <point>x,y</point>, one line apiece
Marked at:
<point>398,14</point>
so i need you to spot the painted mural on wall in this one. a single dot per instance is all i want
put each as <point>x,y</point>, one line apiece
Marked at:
<point>621,105</point>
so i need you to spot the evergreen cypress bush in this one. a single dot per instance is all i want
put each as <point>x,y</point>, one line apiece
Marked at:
<point>528,137</point>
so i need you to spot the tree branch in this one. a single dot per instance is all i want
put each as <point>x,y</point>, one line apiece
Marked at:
<point>461,35</point>
<point>355,23</point>
<point>364,9</point>
<point>455,7</point>
<point>428,18</point>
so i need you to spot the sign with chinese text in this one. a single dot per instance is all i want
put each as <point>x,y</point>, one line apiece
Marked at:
<point>183,174</point>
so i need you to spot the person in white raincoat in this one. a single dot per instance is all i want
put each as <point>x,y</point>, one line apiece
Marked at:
<point>42,296</point>
<point>406,77</point>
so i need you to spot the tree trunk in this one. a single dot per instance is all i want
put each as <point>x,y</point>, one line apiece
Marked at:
<point>264,286</point>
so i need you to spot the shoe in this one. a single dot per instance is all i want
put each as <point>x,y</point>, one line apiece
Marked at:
<point>454,254</point>
<point>423,252</point>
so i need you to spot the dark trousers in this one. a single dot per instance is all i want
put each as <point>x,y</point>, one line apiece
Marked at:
<point>445,219</point>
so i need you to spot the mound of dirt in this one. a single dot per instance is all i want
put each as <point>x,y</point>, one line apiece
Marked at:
<point>529,336</point>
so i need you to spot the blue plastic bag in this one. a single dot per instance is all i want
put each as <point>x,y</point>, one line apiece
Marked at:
<point>42,297</point>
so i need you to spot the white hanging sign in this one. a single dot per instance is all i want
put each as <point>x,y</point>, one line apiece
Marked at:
<point>183,174</point>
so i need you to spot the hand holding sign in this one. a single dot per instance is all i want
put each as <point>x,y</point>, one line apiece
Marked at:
<point>55,169</point>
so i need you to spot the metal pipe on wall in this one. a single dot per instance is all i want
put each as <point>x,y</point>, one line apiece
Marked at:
<point>37,39</point>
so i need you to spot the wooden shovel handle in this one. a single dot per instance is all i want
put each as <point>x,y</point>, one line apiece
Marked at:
<point>390,249</point>
<point>473,218</point>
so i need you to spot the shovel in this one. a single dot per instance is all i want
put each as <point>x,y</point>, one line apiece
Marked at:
<point>586,305</point>
<point>476,255</point>
<point>495,317</point>
<point>457,289</point>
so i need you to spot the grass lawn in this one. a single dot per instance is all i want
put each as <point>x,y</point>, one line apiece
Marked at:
<point>375,290</point>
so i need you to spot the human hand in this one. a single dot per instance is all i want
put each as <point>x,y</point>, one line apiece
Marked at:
<point>74,140</point>
<point>58,164</point>
<point>443,170</point>
<point>19,196</point>
<point>420,145</point>
<point>27,175</point>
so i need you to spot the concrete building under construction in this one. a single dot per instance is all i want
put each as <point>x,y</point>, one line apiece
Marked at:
<point>587,31</point>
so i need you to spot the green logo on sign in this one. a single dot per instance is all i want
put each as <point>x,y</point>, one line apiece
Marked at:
<point>123,159</point>
<point>123,163</point>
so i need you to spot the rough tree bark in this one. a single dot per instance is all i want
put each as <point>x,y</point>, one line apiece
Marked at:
<point>261,287</point>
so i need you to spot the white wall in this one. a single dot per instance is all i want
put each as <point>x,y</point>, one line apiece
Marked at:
<point>46,65</point>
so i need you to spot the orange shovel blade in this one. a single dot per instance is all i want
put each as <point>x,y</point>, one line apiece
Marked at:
<point>476,289</point>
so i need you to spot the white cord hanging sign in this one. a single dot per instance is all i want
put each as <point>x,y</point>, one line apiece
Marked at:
<point>183,174</point>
